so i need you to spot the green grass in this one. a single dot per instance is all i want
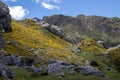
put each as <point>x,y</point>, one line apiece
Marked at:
<point>23,73</point>
<point>103,63</point>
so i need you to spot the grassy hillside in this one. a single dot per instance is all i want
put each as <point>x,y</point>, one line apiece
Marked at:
<point>30,38</point>
<point>37,38</point>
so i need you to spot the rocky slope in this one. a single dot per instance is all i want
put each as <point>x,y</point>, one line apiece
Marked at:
<point>5,26</point>
<point>41,53</point>
<point>96,27</point>
<point>33,51</point>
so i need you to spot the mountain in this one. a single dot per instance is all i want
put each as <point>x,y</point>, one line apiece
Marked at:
<point>96,27</point>
<point>37,50</point>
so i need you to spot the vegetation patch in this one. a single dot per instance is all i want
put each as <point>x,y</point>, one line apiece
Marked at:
<point>91,45</point>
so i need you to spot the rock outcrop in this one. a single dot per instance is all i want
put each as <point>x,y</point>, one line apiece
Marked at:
<point>5,22</point>
<point>5,18</point>
<point>55,30</point>
<point>88,70</point>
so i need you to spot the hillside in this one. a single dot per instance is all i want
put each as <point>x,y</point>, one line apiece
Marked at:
<point>33,49</point>
<point>96,27</point>
<point>35,38</point>
<point>36,50</point>
<point>29,39</point>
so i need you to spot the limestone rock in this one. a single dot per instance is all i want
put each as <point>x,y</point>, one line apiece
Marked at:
<point>54,68</point>
<point>5,22</point>
<point>88,70</point>
<point>5,18</point>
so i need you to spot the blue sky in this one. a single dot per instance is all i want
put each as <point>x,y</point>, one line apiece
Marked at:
<point>21,9</point>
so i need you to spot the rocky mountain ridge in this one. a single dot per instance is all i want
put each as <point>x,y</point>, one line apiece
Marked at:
<point>80,27</point>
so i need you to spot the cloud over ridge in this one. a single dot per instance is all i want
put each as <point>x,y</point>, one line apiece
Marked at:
<point>47,4</point>
<point>18,12</point>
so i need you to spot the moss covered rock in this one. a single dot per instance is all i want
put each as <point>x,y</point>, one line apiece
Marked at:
<point>91,45</point>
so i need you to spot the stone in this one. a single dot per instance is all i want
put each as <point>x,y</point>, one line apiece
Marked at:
<point>4,74</point>
<point>5,18</point>
<point>25,61</point>
<point>7,73</point>
<point>2,42</point>
<point>2,65</point>
<point>88,70</point>
<point>10,73</point>
<point>54,68</point>
<point>44,24</point>
<point>51,60</point>
<point>78,50</point>
<point>37,57</point>
<point>77,69</point>
<point>65,65</point>
<point>5,22</point>
<point>8,60</point>
<point>29,61</point>
<point>3,52</point>
<point>35,19</point>
<point>43,68</point>
<point>100,42</point>
<point>17,61</point>
<point>14,43</point>
<point>35,69</point>
<point>72,72</point>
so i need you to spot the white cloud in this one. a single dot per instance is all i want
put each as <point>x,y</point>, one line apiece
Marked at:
<point>37,1</point>
<point>56,1</point>
<point>18,12</point>
<point>49,6</point>
<point>12,0</point>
